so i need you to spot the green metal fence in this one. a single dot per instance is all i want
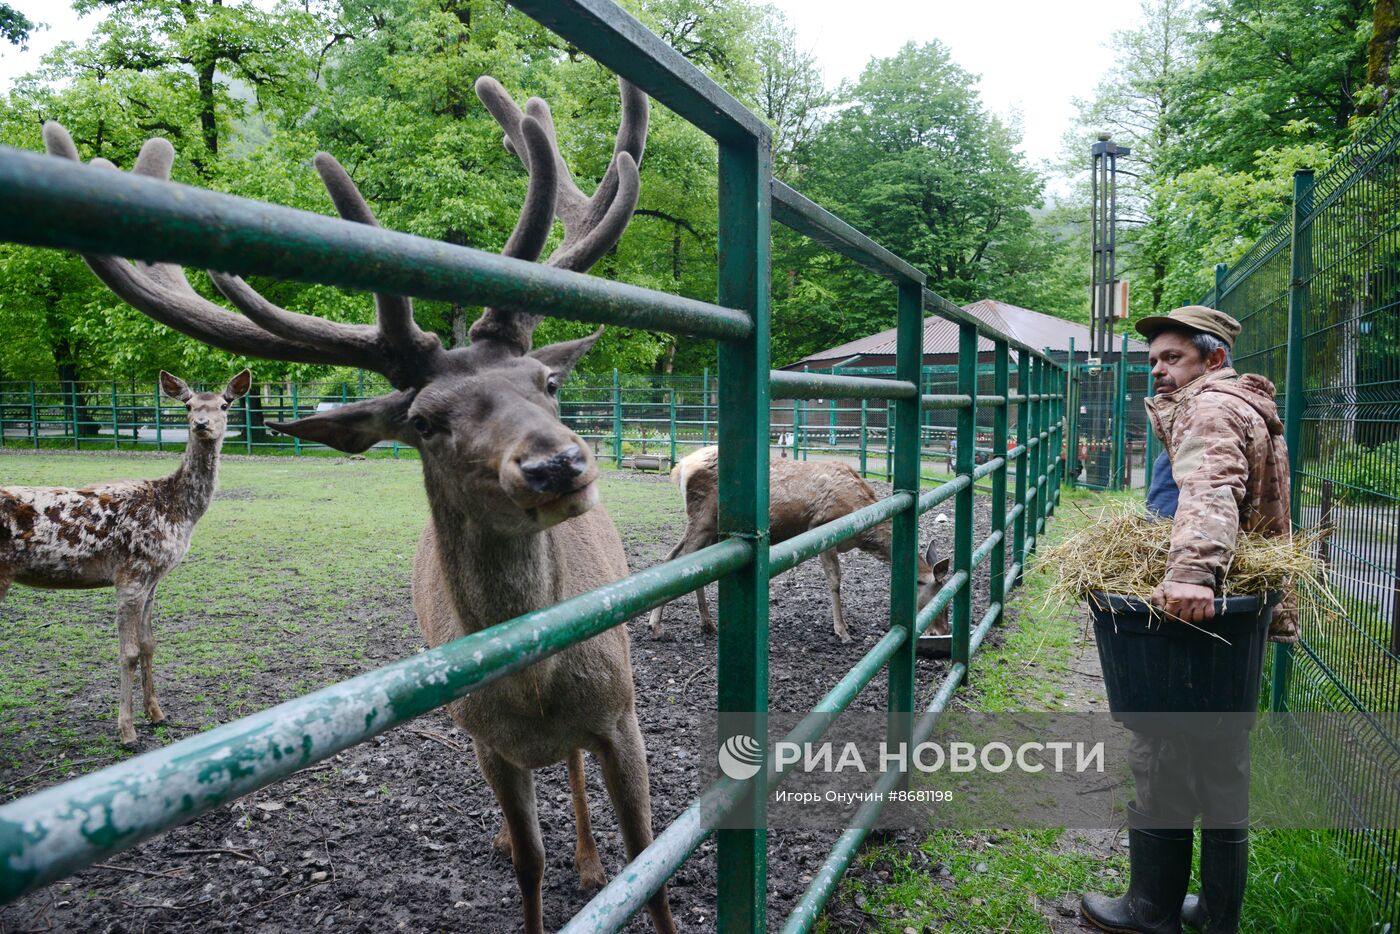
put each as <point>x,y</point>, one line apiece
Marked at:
<point>48,835</point>
<point>1319,301</point>
<point>630,420</point>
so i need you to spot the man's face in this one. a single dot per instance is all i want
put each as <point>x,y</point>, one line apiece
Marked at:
<point>1175,361</point>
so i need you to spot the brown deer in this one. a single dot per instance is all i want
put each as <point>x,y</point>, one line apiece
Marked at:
<point>802,495</point>
<point>127,534</point>
<point>515,523</point>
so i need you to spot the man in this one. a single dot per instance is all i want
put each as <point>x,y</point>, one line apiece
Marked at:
<point>1224,443</point>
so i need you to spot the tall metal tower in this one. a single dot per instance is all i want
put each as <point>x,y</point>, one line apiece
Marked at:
<point>1101,420</point>
<point>1104,217</point>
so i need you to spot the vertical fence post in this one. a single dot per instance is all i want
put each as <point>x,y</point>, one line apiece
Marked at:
<point>1221,271</point>
<point>705,406</point>
<point>116,432</point>
<point>1149,459</point>
<point>864,427</point>
<point>296,442</point>
<point>1023,462</point>
<point>1001,386</point>
<point>1299,285</point>
<point>1072,423</point>
<point>160,443</point>
<point>1052,440</point>
<point>745,177</point>
<point>673,424</point>
<point>962,511</point>
<point>34,413</point>
<point>1037,425</point>
<point>1120,424</point>
<point>889,442</point>
<point>617,419</point>
<point>248,417</point>
<point>73,405</point>
<point>904,548</point>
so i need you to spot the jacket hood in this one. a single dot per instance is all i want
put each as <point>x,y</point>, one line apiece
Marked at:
<point>1257,391</point>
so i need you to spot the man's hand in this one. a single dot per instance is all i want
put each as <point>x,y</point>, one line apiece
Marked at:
<point>1189,602</point>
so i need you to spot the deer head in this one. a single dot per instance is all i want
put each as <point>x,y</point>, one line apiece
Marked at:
<point>483,416</point>
<point>207,412</point>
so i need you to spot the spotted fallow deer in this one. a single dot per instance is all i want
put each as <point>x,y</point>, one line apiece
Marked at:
<point>126,534</point>
<point>802,495</point>
<point>515,524</point>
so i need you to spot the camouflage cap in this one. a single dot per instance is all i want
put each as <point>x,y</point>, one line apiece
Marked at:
<point>1195,317</point>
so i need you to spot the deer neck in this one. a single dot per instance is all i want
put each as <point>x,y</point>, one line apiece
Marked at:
<point>193,483</point>
<point>492,576</point>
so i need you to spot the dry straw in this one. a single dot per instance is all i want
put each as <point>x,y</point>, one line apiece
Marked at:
<point>1123,551</point>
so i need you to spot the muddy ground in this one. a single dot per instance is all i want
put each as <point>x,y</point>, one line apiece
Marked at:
<point>396,833</point>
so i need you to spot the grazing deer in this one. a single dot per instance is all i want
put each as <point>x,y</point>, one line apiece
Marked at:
<point>802,495</point>
<point>127,534</point>
<point>514,524</point>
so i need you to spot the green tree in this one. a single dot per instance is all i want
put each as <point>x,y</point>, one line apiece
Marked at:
<point>914,159</point>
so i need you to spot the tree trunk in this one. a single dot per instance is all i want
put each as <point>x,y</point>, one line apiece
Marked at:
<point>459,325</point>
<point>1380,52</point>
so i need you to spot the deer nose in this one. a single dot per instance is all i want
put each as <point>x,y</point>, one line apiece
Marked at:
<point>201,424</point>
<point>557,473</point>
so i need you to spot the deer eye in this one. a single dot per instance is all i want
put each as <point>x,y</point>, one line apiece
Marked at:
<point>224,406</point>
<point>421,425</point>
<point>552,384</point>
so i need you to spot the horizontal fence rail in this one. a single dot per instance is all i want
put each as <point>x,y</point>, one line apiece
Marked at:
<point>970,410</point>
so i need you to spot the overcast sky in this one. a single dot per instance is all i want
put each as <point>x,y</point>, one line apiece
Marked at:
<point>1031,56</point>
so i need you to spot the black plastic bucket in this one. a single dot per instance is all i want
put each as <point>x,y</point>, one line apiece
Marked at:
<point>1156,665</point>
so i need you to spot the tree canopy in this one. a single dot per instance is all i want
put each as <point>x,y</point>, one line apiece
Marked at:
<point>1220,101</point>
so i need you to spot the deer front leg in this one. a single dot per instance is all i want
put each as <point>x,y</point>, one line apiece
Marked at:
<point>514,788</point>
<point>707,623</point>
<point>831,564</point>
<point>131,598</point>
<point>590,867</point>
<point>655,618</point>
<point>624,760</point>
<point>146,642</point>
<point>696,537</point>
<point>5,581</point>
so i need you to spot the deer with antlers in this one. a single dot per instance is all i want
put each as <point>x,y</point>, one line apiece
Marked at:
<point>515,524</point>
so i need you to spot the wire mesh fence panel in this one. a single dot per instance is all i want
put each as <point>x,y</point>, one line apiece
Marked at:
<point>1321,292</point>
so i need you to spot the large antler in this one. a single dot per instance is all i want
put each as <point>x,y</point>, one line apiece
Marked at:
<point>592,225</point>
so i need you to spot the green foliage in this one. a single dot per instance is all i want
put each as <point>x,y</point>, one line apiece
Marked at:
<point>15,27</point>
<point>1364,474</point>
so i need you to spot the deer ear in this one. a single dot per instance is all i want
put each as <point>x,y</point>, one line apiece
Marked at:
<point>174,387</point>
<point>239,385</point>
<point>940,568</point>
<point>355,427</point>
<point>562,357</point>
<point>931,553</point>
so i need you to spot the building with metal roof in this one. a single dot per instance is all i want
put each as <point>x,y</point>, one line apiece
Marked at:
<point>941,339</point>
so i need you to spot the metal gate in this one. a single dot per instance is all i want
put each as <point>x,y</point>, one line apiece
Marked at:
<point>52,833</point>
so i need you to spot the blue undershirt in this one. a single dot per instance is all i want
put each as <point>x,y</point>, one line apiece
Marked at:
<point>1163,493</point>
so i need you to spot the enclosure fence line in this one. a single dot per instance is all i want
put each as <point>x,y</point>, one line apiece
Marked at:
<point>1319,300</point>
<point>48,202</point>
<point>642,421</point>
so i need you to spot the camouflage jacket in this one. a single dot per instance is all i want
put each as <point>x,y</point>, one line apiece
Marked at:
<point>1225,440</point>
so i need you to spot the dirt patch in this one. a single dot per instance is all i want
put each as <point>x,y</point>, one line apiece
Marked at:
<point>395,834</point>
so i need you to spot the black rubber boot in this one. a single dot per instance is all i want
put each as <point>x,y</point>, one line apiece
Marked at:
<point>1224,872</point>
<point>1159,864</point>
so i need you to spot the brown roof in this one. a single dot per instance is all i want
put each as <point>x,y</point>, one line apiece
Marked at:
<point>941,335</point>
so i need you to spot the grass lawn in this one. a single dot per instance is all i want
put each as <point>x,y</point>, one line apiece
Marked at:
<point>254,616</point>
